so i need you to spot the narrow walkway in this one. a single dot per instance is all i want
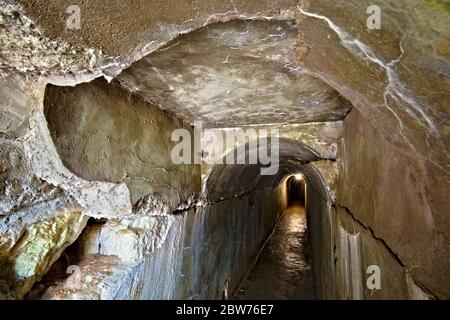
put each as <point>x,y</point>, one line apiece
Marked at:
<point>283,270</point>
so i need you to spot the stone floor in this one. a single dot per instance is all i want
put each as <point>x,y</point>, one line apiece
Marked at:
<point>283,270</point>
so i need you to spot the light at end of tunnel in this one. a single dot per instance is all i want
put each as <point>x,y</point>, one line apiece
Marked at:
<point>298,176</point>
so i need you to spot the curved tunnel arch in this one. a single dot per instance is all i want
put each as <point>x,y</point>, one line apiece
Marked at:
<point>228,181</point>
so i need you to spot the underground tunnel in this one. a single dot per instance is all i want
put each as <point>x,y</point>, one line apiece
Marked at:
<point>239,151</point>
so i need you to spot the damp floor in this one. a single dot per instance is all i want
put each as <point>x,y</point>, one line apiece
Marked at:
<point>283,269</point>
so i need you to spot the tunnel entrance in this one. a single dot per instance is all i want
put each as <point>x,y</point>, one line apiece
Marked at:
<point>283,269</point>
<point>296,190</point>
<point>288,250</point>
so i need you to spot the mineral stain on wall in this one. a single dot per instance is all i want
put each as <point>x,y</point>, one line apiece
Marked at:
<point>75,147</point>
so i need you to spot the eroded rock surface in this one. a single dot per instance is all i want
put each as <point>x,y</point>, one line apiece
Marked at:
<point>235,74</point>
<point>26,260</point>
<point>385,203</point>
<point>105,134</point>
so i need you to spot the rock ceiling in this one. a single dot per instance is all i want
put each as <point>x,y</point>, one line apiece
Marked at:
<point>233,74</point>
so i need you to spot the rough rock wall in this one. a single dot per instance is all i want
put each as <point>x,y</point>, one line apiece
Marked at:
<point>203,255</point>
<point>133,21</point>
<point>395,174</point>
<point>112,36</point>
<point>23,263</point>
<point>357,248</point>
<point>44,206</point>
<point>205,76</point>
<point>103,133</point>
<point>319,199</point>
<point>382,190</point>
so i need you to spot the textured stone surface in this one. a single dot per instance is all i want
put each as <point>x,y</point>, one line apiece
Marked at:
<point>66,55</point>
<point>16,103</point>
<point>26,260</point>
<point>234,74</point>
<point>103,133</point>
<point>397,77</point>
<point>143,22</point>
<point>394,158</point>
<point>20,187</point>
<point>25,49</point>
<point>129,239</point>
<point>356,250</point>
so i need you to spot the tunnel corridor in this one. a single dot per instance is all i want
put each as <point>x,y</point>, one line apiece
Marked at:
<point>283,269</point>
<point>208,150</point>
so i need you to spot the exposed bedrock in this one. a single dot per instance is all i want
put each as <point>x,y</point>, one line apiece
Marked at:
<point>88,184</point>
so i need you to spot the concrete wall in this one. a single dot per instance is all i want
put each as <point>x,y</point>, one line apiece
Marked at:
<point>205,253</point>
<point>227,238</point>
<point>389,214</point>
<point>320,226</point>
<point>213,248</point>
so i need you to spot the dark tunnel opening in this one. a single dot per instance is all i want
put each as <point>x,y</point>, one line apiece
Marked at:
<point>296,190</point>
<point>287,256</point>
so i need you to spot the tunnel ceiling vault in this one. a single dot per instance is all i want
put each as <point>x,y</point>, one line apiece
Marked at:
<point>226,181</point>
<point>234,74</point>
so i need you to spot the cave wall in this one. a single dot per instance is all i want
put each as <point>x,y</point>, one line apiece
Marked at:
<point>104,134</point>
<point>45,206</point>
<point>24,262</point>
<point>40,214</point>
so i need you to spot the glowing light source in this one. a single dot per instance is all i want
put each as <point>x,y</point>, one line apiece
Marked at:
<point>298,176</point>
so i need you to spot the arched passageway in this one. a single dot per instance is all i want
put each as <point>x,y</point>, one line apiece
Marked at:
<point>296,190</point>
<point>282,247</point>
<point>283,268</point>
<point>208,223</point>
